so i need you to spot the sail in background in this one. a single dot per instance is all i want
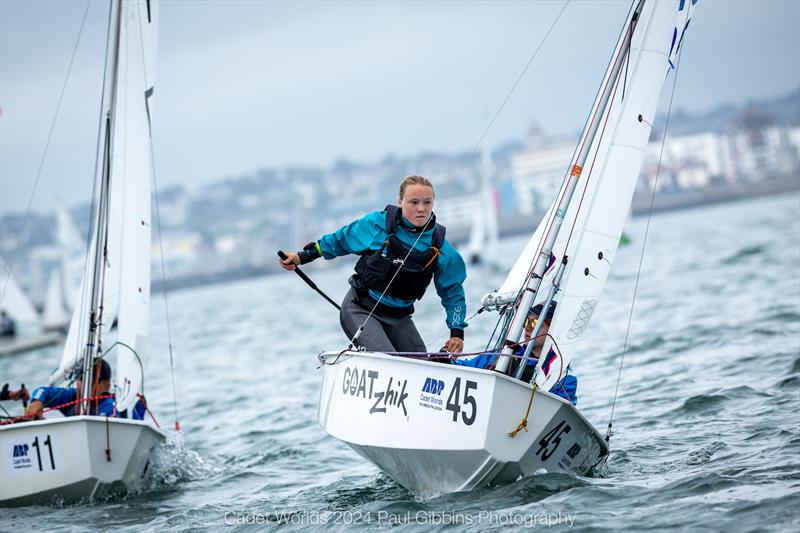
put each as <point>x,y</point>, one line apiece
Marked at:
<point>54,315</point>
<point>71,246</point>
<point>14,301</point>
<point>482,245</point>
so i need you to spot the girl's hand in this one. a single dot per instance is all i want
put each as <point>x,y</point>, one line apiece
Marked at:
<point>454,345</point>
<point>291,262</point>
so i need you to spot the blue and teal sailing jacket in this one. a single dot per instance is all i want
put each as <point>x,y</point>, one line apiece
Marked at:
<point>567,388</point>
<point>369,233</point>
<point>53,396</point>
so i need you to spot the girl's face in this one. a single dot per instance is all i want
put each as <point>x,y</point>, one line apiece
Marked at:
<point>417,204</point>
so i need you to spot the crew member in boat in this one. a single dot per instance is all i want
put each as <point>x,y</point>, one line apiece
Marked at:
<point>407,233</point>
<point>102,404</point>
<point>566,387</point>
<point>7,326</point>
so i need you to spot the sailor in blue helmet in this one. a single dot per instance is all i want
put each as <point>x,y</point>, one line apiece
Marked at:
<point>402,250</point>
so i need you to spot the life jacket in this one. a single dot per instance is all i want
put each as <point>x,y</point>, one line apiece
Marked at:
<point>376,269</point>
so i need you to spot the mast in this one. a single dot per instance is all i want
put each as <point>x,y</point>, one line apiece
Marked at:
<point>534,280</point>
<point>101,221</point>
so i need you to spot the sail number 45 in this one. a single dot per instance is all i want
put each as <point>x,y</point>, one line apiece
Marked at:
<point>455,401</point>
<point>549,443</point>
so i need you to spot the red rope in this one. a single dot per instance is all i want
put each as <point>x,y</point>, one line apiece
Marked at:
<point>149,412</point>
<point>73,402</point>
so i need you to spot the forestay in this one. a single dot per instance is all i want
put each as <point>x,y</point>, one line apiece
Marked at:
<point>126,280</point>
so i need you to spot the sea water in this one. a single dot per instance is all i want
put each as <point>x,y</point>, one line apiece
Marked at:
<point>706,427</point>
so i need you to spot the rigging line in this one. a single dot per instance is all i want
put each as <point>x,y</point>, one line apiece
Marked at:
<point>474,151</point>
<point>44,153</point>
<point>644,245</point>
<point>164,288</point>
<point>509,94</point>
<point>518,80</point>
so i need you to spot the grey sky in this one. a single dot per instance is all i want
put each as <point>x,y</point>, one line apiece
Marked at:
<point>248,84</point>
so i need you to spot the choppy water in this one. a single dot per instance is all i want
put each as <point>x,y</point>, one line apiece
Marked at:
<point>707,428</point>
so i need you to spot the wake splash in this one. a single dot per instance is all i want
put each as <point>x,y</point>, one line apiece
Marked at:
<point>172,463</point>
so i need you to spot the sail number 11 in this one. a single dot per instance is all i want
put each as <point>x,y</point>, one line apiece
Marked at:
<point>48,443</point>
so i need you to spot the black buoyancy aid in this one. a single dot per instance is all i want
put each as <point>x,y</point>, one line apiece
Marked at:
<point>375,269</point>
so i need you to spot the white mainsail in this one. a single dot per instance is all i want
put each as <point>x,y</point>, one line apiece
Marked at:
<point>594,221</point>
<point>126,280</point>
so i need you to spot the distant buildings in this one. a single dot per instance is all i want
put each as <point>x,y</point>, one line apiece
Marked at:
<point>235,226</point>
<point>687,162</point>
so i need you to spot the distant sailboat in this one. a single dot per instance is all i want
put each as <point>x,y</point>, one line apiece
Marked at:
<point>18,308</point>
<point>72,251</point>
<point>65,278</point>
<point>87,456</point>
<point>436,427</point>
<point>482,246</point>
<point>14,301</point>
<point>55,315</point>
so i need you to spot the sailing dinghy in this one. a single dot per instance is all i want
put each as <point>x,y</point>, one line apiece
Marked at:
<point>29,334</point>
<point>88,456</point>
<point>437,428</point>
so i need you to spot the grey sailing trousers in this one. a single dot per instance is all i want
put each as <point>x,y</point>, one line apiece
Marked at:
<point>381,333</point>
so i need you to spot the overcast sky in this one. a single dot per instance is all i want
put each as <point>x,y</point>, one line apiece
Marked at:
<point>249,84</point>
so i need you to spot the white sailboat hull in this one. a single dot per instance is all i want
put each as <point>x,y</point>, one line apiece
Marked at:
<point>65,459</point>
<point>439,428</point>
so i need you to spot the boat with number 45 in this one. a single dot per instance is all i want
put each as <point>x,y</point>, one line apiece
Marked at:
<point>65,458</point>
<point>438,428</point>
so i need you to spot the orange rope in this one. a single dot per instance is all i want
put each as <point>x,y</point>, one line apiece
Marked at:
<point>436,254</point>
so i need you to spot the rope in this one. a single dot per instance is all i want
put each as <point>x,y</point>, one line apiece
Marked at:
<point>461,171</point>
<point>644,245</point>
<point>138,360</point>
<point>57,407</point>
<point>524,423</point>
<point>108,443</point>
<point>440,355</point>
<point>21,237</point>
<point>149,412</point>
